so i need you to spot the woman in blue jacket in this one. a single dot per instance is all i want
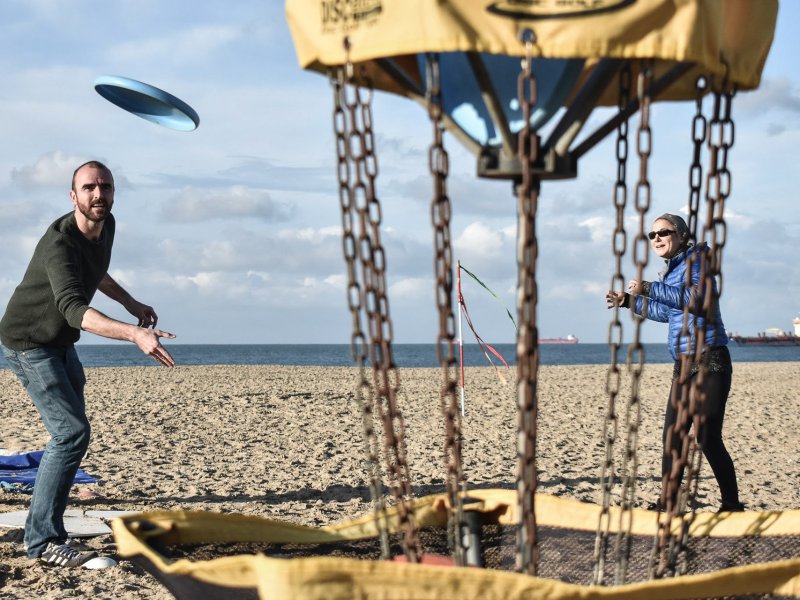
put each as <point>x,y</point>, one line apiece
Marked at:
<point>664,301</point>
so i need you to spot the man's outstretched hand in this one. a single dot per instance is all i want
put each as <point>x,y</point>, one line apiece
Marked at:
<point>148,341</point>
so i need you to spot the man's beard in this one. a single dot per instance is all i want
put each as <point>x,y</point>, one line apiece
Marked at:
<point>87,212</point>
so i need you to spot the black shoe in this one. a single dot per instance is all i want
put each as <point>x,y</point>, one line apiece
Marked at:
<point>657,506</point>
<point>64,555</point>
<point>738,507</point>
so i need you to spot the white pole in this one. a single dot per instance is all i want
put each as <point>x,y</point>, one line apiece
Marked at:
<point>460,338</point>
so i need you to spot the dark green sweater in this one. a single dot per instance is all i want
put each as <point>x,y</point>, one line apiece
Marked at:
<point>47,308</point>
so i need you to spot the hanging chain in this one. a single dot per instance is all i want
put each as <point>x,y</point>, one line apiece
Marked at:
<point>618,242</point>
<point>441,211</point>
<point>685,392</point>
<point>720,134</point>
<point>696,390</point>
<point>527,336</point>
<point>718,186</point>
<point>386,381</point>
<point>692,394</point>
<point>364,391</point>
<point>636,354</point>
<point>699,133</point>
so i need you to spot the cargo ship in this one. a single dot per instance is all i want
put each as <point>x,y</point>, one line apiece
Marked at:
<point>570,339</point>
<point>772,337</point>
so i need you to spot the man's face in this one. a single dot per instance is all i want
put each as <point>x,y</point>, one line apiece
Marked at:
<point>93,193</point>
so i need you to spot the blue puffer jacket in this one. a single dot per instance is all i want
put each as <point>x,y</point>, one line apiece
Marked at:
<point>666,301</point>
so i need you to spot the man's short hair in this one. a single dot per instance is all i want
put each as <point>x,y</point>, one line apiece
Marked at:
<point>92,163</point>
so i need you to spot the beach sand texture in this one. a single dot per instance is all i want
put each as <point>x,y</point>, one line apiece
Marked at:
<point>287,443</point>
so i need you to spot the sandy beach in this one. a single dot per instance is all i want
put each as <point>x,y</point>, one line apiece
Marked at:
<point>286,443</point>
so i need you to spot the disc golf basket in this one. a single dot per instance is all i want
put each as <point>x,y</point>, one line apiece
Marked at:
<point>493,73</point>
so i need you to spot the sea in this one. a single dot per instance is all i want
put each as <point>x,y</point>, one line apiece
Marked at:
<point>405,355</point>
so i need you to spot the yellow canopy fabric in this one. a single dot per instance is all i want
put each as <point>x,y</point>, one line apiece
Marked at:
<point>327,577</point>
<point>723,37</point>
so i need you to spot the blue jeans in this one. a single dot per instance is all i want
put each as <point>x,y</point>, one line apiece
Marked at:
<point>54,379</point>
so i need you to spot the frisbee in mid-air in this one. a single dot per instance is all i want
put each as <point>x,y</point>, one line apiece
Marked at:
<point>147,102</point>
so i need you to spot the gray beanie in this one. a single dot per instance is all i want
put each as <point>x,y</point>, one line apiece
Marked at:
<point>680,226</point>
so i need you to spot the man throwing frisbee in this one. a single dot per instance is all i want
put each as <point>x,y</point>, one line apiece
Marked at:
<point>38,331</point>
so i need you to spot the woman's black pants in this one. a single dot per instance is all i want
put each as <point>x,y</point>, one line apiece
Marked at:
<point>716,387</point>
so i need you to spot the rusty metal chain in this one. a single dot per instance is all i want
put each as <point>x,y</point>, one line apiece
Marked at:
<point>694,391</point>
<point>718,185</point>
<point>685,392</point>
<point>365,397</point>
<point>441,210</point>
<point>386,381</point>
<point>527,335</point>
<point>636,354</point>
<point>689,396</point>
<point>699,136</point>
<point>721,139</point>
<point>613,375</point>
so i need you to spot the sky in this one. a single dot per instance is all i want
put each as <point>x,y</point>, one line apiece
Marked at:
<point>232,231</point>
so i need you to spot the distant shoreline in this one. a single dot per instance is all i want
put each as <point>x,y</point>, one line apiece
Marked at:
<point>405,355</point>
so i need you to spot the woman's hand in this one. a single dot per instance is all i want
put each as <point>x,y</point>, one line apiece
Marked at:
<point>635,287</point>
<point>615,298</point>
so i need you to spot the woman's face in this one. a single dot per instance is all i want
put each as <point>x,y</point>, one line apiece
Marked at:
<point>669,244</point>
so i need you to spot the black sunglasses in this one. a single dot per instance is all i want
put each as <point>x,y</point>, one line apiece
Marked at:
<point>662,233</point>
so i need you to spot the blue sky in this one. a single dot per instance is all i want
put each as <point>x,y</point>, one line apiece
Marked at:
<point>232,231</point>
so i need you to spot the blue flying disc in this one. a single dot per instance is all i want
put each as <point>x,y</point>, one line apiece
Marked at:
<point>147,102</point>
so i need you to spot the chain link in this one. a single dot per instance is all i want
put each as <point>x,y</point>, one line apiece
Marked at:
<point>441,211</point>
<point>527,336</point>
<point>636,354</point>
<point>684,395</point>
<point>720,140</point>
<point>360,147</point>
<point>365,397</point>
<point>613,375</point>
<point>689,396</point>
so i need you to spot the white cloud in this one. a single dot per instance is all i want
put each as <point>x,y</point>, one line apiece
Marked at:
<point>193,205</point>
<point>560,291</point>
<point>480,242</point>
<point>336,281</point>
<point>50,170</point>
<point>600,228</point>
<point>594,288</point>
<point>260,275</point>
<point>779,93</point>
<point>411,288</point>
<point>224,285</point>
<point>126,278</point>
<point>309,234</point>
<point>192,46</point>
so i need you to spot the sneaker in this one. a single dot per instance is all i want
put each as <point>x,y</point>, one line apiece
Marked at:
<point>64,555</point>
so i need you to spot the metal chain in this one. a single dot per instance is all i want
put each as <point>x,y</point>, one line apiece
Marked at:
<point>685,393</point>
<point>720,134</point>
<point>699,136</point>
<point>441,211</point>
<point>386,381</point>
<point>527,335</point>
<point>636,353</point>
<point>613,376</point>
<point>700,133</point>
<point>364,391</point>
<point>720,140</point>
<point>678,560</point>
